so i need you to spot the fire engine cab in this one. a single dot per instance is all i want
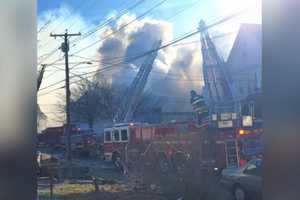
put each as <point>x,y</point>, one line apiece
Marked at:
<point>131,142</point>
<point>115,140</point>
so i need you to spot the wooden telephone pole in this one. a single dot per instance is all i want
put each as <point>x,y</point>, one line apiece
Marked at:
<point>65,49</point>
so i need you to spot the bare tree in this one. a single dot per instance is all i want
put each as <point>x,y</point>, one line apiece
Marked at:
<point>92,100</point>
<point>96,100</point>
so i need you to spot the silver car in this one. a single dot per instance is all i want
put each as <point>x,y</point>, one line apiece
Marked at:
<point>245,182</point>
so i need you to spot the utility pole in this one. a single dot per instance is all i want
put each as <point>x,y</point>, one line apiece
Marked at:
<point>65,48</point>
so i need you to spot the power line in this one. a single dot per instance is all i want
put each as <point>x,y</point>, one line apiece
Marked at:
<point>124,26</point>
<point>174,45</point>
<point>69,15</point>
<point>110,66</point>
<point>108,21</point>
<point>185,36</point>
<point>124,62</point>
<point>85,1</point>
<point>191,5</point>
<point>43,27</point>
<point>103,24</point>
<point>61,81</point>
<point>65,18</point>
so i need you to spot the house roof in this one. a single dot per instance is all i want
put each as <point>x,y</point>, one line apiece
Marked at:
<point>246,47</point>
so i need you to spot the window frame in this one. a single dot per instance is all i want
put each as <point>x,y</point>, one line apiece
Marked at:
<point>114,134</point>
<point>127,135</point>
<point>108,132</point>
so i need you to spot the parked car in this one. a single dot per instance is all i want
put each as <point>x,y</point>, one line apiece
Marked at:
<point>245,182</point>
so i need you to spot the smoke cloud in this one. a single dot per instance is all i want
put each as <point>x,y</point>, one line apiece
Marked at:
<point>176,70</point>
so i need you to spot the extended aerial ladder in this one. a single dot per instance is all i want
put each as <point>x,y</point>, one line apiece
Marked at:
<point>218,91</point>
<point>128,105</point>
<point>224,108</point>
<point>135,90</point>
<point>219,97</point>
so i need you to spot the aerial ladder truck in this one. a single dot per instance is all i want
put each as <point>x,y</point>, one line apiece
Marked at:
<point>222,144</point>
<point>117,137</point>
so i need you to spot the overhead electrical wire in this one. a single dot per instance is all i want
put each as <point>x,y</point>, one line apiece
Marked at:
<point>189,34</point>
<point>69,15</point>
<point>122,62</point>
<point>108,21</point>
<point>62,21</point>
<point>104,23</point>
<point>43,27</point>
<point>86,5</point>
<point>108,60</point>
<point>122,12</point>
<point>122,27</point>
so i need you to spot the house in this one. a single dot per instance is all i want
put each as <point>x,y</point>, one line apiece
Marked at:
<point>244,63</point>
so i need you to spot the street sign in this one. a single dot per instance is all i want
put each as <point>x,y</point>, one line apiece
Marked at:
<point>225,124</point>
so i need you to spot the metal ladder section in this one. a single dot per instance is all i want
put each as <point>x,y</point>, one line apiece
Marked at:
<point>232,156</point>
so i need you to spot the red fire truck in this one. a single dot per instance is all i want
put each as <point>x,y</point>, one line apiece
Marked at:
<point>83,141</point>
<point>166,144</point>
<point>231,147</point>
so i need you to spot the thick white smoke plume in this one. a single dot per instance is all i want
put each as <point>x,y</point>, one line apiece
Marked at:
<point>176,71</point>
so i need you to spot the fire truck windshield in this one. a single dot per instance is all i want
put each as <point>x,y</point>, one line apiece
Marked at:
<point>116,135</point>
<point>124,135</point>
<point>107,136</point>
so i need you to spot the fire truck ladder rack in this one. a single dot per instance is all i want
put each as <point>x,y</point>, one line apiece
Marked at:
<point>134,92</point>
<point>232,157</point>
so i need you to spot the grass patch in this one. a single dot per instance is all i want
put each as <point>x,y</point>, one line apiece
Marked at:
<point>65,190</point>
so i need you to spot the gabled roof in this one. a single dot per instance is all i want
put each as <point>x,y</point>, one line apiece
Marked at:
<point>244,64</point>
<point>247,46</point>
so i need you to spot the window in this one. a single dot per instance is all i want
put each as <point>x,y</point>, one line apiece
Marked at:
<point>107,136</point>
<point>124,135</point>
<point>251,167</point>
<point>254,168</point>
<point>116,135</point>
